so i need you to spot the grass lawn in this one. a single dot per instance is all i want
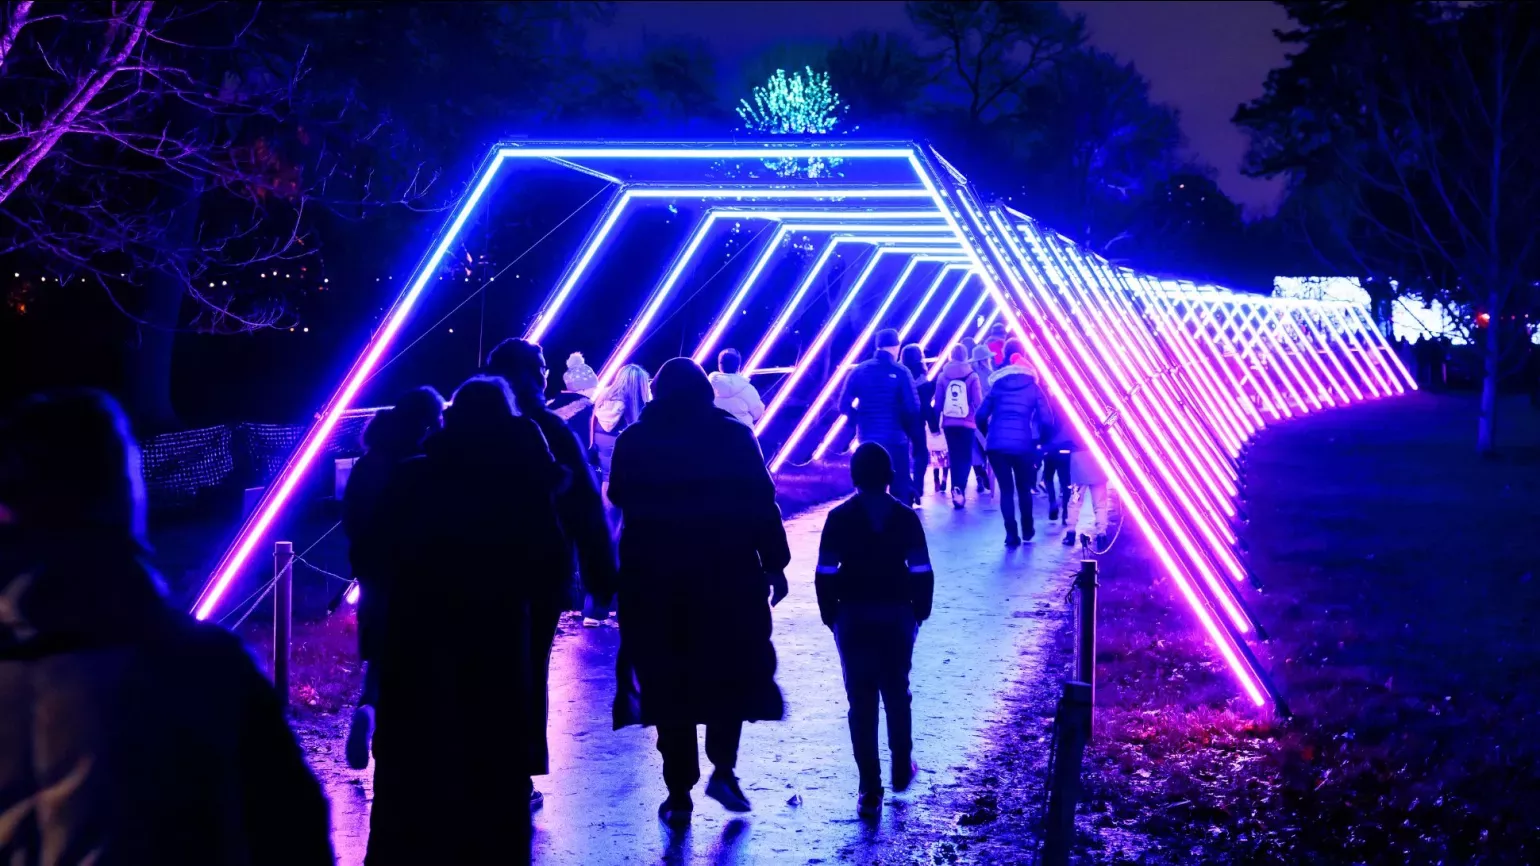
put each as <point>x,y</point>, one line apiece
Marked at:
<point>1399,589</point>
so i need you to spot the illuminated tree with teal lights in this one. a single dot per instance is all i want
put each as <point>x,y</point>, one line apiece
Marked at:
<point>794,105</point>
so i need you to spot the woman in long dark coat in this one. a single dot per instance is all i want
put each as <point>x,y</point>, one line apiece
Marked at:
<point>476,536</point>
<point>702,559</point>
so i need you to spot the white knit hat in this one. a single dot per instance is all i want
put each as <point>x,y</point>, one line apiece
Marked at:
<point>580,377</point>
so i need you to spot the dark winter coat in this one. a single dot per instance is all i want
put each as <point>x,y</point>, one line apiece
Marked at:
<point>131,734</point>
<point>873,552</point>
<point>702,532</point>
<point>580,506</point>
<point>1015,413</point>
<point>881,399</point>
<point>577,412</point>
<point>477,538</point>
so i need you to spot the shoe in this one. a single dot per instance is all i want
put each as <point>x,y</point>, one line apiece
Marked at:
<point>1065,515</point>
<point>1101,542</point>
<point>1069,538</point>
<point>958,498</point>
<point>1028,532</point>
<point>869,803</point>
<point>903,774</point>
<point>1012,540</point>
<point>724,789</point>
<point>676,810</point>
<point>1053,514</point>
<point>360,733</point>
<point>536,799</point>
<point>590,622</point>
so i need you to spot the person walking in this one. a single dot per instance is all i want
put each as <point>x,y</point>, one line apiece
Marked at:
<point>735,394</point>
<point>913,359</point>
<point>996,341</point>
<point>1015,412</point>
<point>959,394</point>
<point>477,544</point>
<point>617,408</point>
<point>880,398</point>
<point>1090,482</point>
<point>1056,474</point>
<point>103,758</point>
<point>702,546</point>
<point>581,509</point>
<point>980,361</point>
<point>392,436</point>
<point>875,585</point>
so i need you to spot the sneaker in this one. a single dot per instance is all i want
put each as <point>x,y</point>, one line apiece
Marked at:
<point>869,803</point>
<point>1012,539</point>
<point>958,498</point>
<point>1053,514</point>
<point>1028,532</point>
<point>1069,538</point>
<point>360,733</point>
<point>536,799</point>
<point>903,774</point>
<point>676,810</point>
<point>724,789</point>
<point>590,622</point>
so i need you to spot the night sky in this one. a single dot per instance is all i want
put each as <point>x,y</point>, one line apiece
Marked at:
<point>1204,58</point>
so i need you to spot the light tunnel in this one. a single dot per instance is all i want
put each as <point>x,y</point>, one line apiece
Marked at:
<point>1162,382</point>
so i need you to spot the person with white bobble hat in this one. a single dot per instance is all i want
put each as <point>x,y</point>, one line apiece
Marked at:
<point>575,404</point>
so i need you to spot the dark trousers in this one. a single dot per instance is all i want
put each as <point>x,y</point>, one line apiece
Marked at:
<point>959,453</point>
<point>681,757</point>
<point>1014,472</point>
<point>544,618</point>
<point>1056,466</point>
<point>876,643</point>
<point>903,477</point>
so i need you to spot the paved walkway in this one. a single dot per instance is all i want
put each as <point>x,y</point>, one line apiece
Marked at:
<point>605,786</point>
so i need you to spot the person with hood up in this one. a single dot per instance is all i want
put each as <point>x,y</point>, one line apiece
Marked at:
<point>735,394</point>
<point>393,436</point>
<point>478,543</point>
<point>581,509</point>
<point>103,756</point>
<point>702,548</point>
<point>995,341</point>
<point>1015,412</point>
<point>875,586</point>
<point>959,394</point>
<point>881,399</point>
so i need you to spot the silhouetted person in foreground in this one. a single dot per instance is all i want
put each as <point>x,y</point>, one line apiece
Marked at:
<point>128,732</point>
<point>874,589</point>
<point>582,516</point>
<point>701,549</point>
<point>393,436</point>
<point>881,399</point>
<point>477,544</point>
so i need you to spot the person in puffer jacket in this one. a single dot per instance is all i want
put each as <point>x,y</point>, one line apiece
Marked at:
<point>959,394</point>
<point>880,398</point>
<point>1015,413</point>
<point>129,732</point>
<point>735,395</point>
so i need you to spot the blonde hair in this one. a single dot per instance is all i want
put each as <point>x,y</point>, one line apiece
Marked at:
<point>631,388</point>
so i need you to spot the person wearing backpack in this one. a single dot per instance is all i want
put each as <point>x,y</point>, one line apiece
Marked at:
<point>959,393</point>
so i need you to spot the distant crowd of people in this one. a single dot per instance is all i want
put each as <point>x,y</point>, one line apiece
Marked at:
<point>474,524</point>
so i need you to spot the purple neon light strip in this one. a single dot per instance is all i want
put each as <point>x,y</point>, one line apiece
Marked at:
<point>1358,341</point>
<point>267,510</point>
<point>1391,359</point>
<point>1192,370</point>
<point>1212,352</point>
<point>1154,493</point>
<point>1223,641</point>
<point>940,360</point>
<point>1346,346</point>
<point>1201,359</point>
<point>1285,343</point>
<point>1262,338</point>
<point>1335,345</point>
<point>1156,437</point>
<point>1262,380</point>
<point>1289,326</point>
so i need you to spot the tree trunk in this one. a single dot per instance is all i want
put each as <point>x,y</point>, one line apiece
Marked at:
<point>1491,353</point>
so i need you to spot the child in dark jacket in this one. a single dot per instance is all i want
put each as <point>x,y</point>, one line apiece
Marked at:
<point>874,588</point>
